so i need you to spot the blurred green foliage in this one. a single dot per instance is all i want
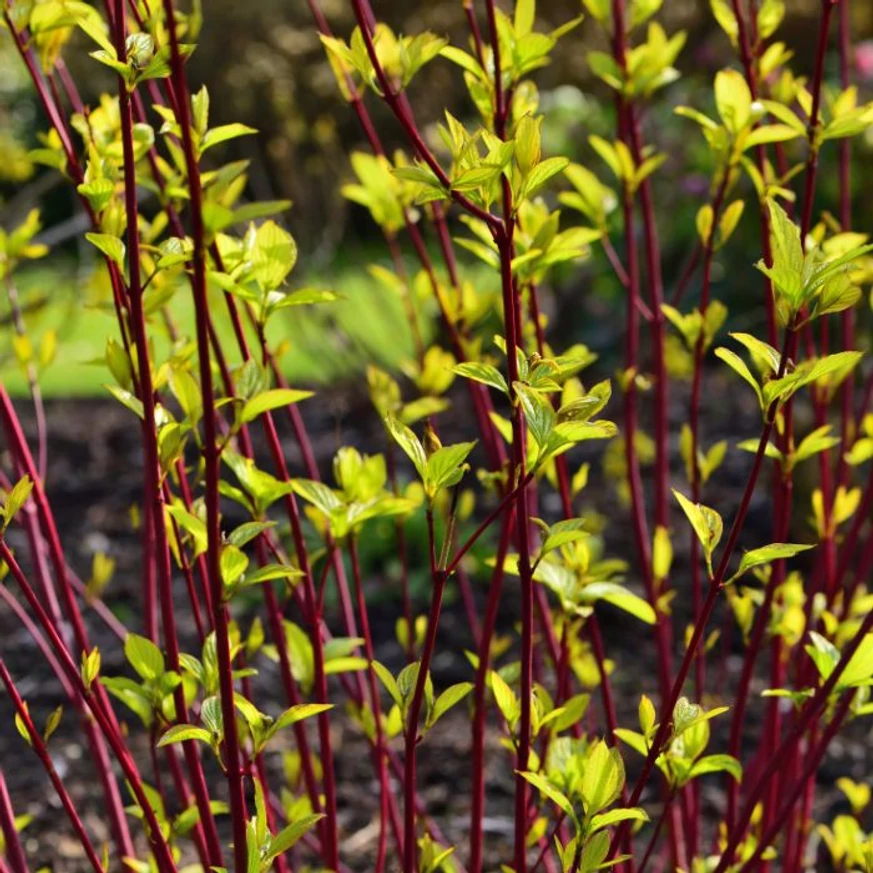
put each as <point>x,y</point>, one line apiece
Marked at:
<point>270,70</point>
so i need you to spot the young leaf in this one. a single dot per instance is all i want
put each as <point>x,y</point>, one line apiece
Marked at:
<point>274,399</point>
<point>859,670</point>
<point>298,713</point>
<point>717,764</point>
<point>90,667</point>
<point>788,258</point>
<point>179,733</point>
<point>233,563</point>
<point>527,141</point>
<point>111,246</point>
<point>192,525</point>
<point>729,220</point>
<point>387,679</point>
<point>24,733</point>
<point>620,597</point>
<point>15,499</point>
<point>144,656</point>
<point>247,531</point>
<point>662,553</point>
<point>505,698</point>
<point>768,554</point>
<point>738,365</point>
<point>446,466</point>
<point>763,352</point>
<point>825,655</point>
<point>525,11</point>
<point>223,134</point>
<point>273,254</point>
<point>614,816</point>
<point>210,715</point>
<point>484,373</point>
<point>563,532</point>
<point>706,522</point>
<point>288,837</point>
<point>541,173</point>
<point>410,444</point>
<point>539,416</point>
<point>733,99</point>
<point>130,400</point>
<point>635,740</point>
<point>52,722</point>
<point>269,572</point>
<point>453,695</point>
<point>647,714</point>
<point>602,778</point>
<point>318,494</point>
<point>547,789</point>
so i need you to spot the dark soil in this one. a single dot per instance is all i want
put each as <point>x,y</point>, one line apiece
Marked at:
<point>94,479</point>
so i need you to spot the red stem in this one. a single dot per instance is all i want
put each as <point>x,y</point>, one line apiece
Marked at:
<point>804,719</point>
<point>694,426</point>
<point>413,715</point>
<point>156,544</point>
<point>24,460</point>
<point>32,381</point>
<point>847,320</point>
<point>816,90</point>
<point>330,842</point>
<point>375,705</point>
<point>517,473</point>
<point>656,283</point>
<point>37,636</point>
<point>14,853</point>
<point>761,161</point>
<point>99,709</point>
<point>364,15</point>
<point>210,453</point>
<point>38,745</point>
<point>628,133</point>
<point>716,584</point>
<point>477,753</point>
<point>479,394</point>
<point>694,412</point>
<point>277,631</point>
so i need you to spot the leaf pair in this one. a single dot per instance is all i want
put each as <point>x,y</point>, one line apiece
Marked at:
<point>402,689</point>
<point>442,468</point>
<point>708,527</point>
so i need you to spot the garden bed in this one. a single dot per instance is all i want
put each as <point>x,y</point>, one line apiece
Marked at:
<point>94,479</point>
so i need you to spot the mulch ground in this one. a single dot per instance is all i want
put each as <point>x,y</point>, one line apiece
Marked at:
<point>95,477</point>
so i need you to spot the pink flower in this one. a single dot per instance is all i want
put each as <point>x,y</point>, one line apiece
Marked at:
<point>864,60</point>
